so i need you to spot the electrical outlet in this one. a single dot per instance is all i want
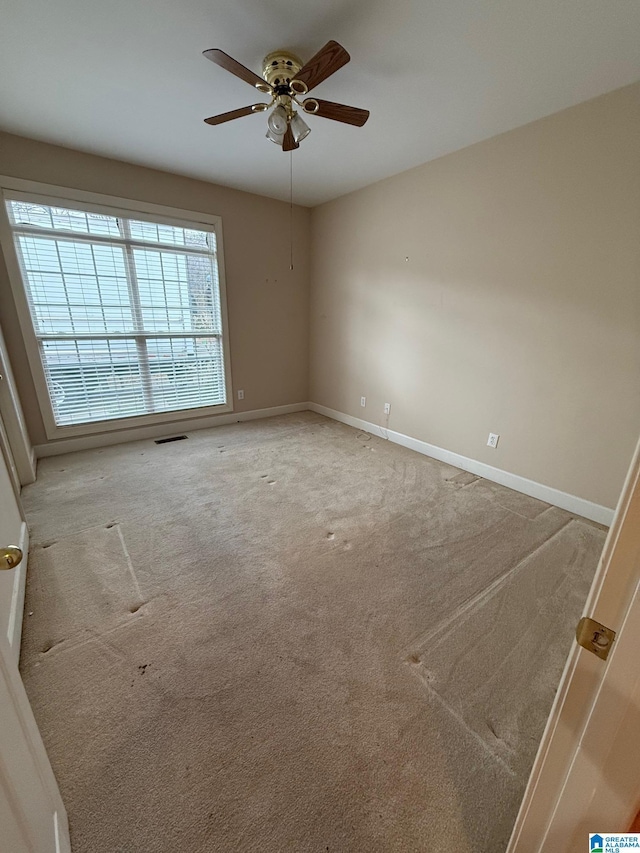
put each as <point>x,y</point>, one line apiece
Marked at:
<point>363,401</point>
<point>387,408</point>
<point>493,440</point>
<point>240,395</point>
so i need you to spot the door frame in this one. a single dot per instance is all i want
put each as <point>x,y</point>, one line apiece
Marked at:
<point>14,634</point>
<point>14,438</point>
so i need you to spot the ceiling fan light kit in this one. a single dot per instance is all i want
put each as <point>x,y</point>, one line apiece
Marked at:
<point>285,79</point>
<point>299,127</point>
<point>277,121</point>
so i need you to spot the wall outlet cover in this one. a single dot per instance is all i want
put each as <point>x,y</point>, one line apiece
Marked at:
<point>493,439</point>
<point>387,408</point>
<point>240,395</point>
<point>363,401</point>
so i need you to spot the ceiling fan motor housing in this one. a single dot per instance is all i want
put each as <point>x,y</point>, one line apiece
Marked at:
<point>279,69</point>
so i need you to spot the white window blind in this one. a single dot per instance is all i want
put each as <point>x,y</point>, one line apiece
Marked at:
<point>126,313</point>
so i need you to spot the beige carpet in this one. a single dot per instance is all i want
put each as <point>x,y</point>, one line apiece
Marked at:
<point>286,635</point>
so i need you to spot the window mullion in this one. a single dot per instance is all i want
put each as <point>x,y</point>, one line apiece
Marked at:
<point>64,285</point>
<point>136,312</point>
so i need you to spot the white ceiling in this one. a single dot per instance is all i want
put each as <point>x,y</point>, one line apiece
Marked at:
<point>126,79</point>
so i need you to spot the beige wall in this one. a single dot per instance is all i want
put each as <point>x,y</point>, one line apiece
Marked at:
<point>517,311</point>
<point>495,289</point>
<point>268,304</point>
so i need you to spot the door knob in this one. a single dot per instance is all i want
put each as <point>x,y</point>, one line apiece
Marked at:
<point>10,557</point>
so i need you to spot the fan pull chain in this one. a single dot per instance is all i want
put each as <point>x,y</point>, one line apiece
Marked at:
<point>291,208</point>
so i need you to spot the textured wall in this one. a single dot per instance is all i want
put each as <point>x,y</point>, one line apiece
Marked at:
<point>268,304</point>
<point>495,289</point>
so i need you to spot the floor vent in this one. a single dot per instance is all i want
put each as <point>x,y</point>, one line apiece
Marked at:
<point>173,438</point>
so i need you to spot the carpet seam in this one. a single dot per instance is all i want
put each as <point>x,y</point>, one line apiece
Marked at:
<point>459,719</point>
<point>494,500</point>
<point>132,572</point>
<point>69,644</point>
<point>472,605</point>
<point>479,598</point>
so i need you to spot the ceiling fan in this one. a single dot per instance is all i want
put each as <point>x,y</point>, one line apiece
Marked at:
<point>286,79</point>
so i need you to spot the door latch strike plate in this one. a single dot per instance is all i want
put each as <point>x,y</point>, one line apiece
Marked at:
<point>594,637</point>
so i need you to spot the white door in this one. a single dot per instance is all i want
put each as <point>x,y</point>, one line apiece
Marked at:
<point>586,777</point>
<point>32,816</point>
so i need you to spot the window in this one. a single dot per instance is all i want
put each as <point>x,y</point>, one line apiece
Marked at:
<point>125,308</point>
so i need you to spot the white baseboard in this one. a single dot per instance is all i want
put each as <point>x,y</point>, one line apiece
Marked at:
<point>572,503</point>
<point>87,442</point>
<point>14,631</point>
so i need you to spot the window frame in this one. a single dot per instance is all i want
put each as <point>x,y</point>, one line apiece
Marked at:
<point>48,194</point>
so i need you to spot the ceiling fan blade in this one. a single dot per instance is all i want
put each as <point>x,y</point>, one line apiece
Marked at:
<point>229,64</point>
<point>243,111</point>
<point>338,112</point>
<point>288,142</point>
<point>326,62</point>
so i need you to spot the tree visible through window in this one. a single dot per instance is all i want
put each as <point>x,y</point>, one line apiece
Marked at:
<point>126,312</point>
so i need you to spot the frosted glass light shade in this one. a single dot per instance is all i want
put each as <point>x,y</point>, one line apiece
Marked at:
<point>278,121</point>
<point>275,137</point>
<point>299,128</point>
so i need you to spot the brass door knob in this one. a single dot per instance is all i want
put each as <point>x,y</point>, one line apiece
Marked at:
<point>10,557</point>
